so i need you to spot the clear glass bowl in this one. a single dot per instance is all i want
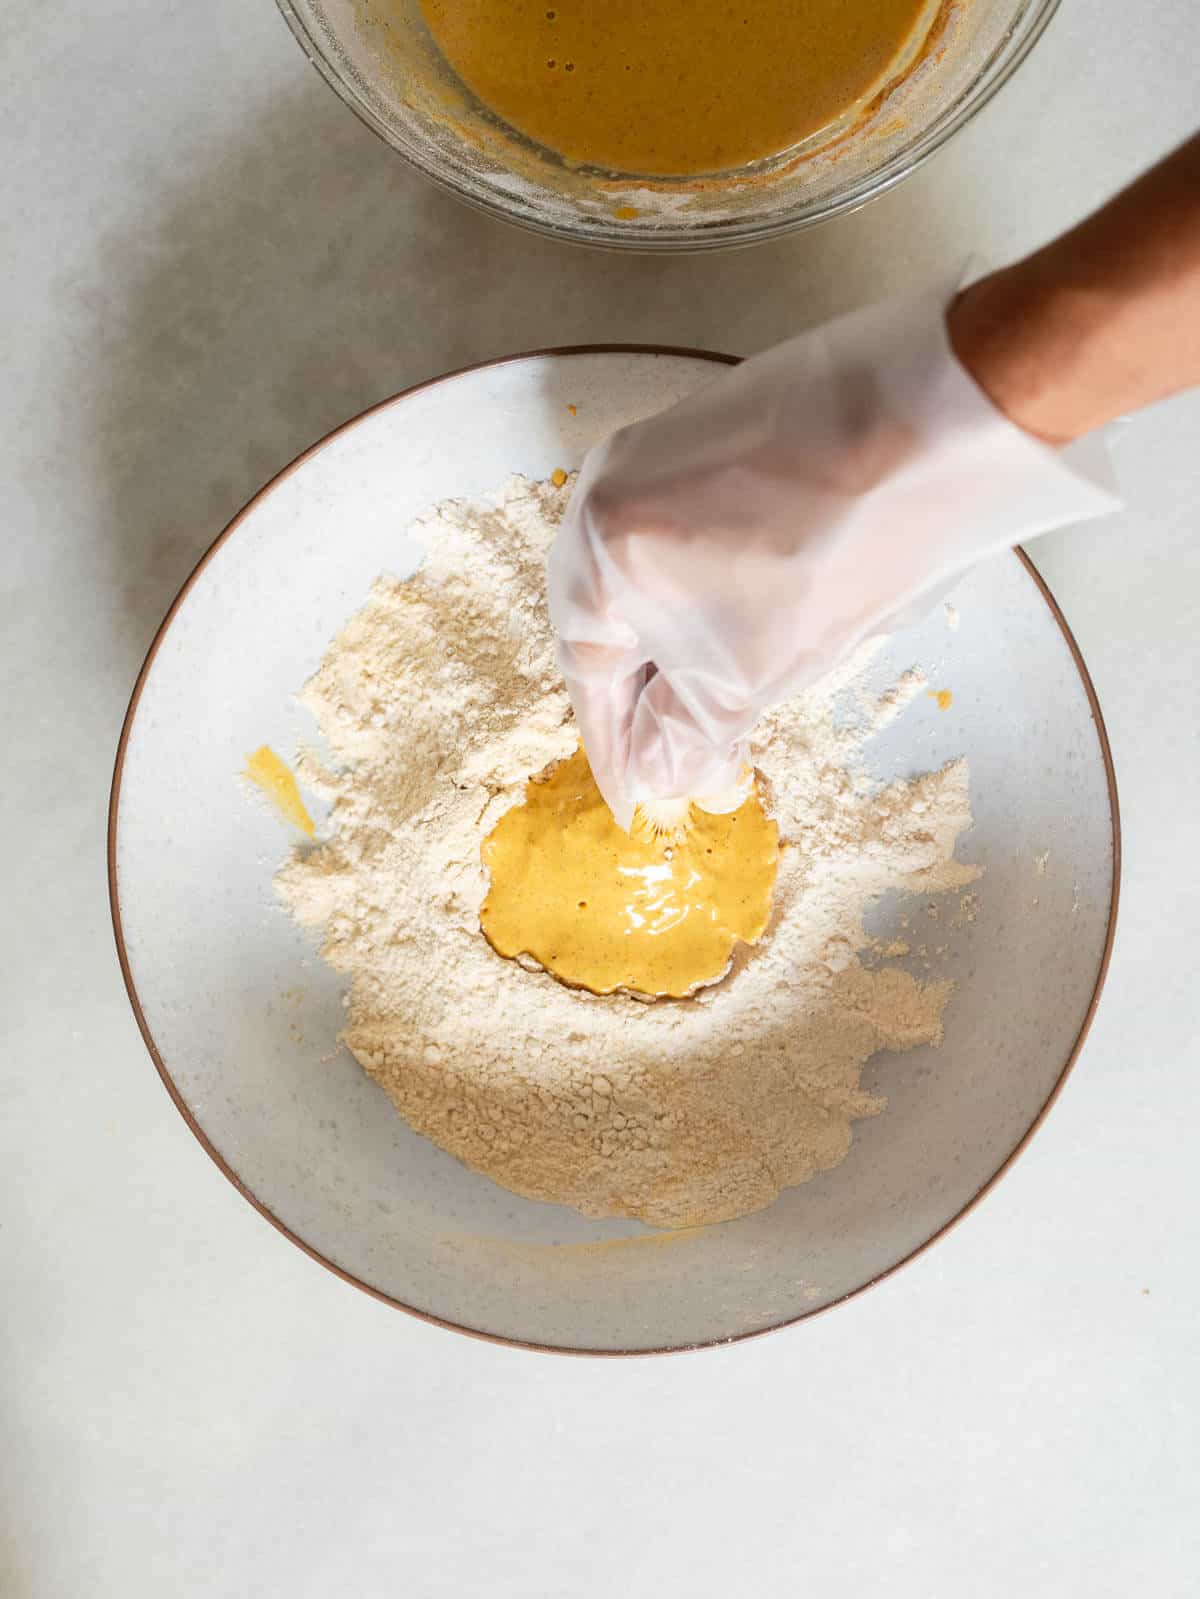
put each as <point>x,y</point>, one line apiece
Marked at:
<point>380,59</point>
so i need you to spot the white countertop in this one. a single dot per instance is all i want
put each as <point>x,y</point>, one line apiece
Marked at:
<point>209,263</point>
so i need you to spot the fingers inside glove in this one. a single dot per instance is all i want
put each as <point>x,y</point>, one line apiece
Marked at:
<point>672,756</point>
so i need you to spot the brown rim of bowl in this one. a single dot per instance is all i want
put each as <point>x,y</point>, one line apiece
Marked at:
<point>263,1210</point>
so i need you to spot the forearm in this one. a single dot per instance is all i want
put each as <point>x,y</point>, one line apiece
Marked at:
<point>1102,321</point>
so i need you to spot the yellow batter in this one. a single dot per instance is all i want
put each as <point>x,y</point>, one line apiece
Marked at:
<point>603,909</point>
<point>274,776</point>
<point>675,87</point>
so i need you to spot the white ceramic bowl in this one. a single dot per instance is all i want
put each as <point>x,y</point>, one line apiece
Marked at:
<point>241,1017</point>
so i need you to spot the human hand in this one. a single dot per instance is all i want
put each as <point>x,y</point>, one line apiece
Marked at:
<point>723,554</point>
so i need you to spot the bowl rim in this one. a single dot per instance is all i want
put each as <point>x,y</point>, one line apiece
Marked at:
<point>1034,17</point>
<point>264,1210</point>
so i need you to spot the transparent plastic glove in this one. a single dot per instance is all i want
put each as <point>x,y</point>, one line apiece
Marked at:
<point>723,554</point>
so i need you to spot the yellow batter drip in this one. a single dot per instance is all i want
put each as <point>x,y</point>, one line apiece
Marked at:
<point>274,777</point>
<point>603,909</point>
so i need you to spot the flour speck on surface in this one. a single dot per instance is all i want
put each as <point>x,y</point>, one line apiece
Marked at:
<point>438,701</point>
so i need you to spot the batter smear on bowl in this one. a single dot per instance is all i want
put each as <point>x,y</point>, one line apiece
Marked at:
<point>438,701</point>
<point>677,89</point>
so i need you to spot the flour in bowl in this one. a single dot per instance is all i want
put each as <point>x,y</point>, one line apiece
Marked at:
<point>438,701</point>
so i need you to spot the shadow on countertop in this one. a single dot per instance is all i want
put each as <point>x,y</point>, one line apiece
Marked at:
<point>278,286</point>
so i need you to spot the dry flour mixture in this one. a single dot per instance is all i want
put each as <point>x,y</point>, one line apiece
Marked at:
<point>438,701</point>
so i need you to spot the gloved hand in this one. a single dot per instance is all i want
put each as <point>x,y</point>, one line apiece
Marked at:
<point>725,553</point>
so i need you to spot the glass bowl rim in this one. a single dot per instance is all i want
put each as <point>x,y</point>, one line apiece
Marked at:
<point>1019,39</point>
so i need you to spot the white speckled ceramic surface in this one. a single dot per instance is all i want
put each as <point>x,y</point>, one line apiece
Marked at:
<point>243,1016</point>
